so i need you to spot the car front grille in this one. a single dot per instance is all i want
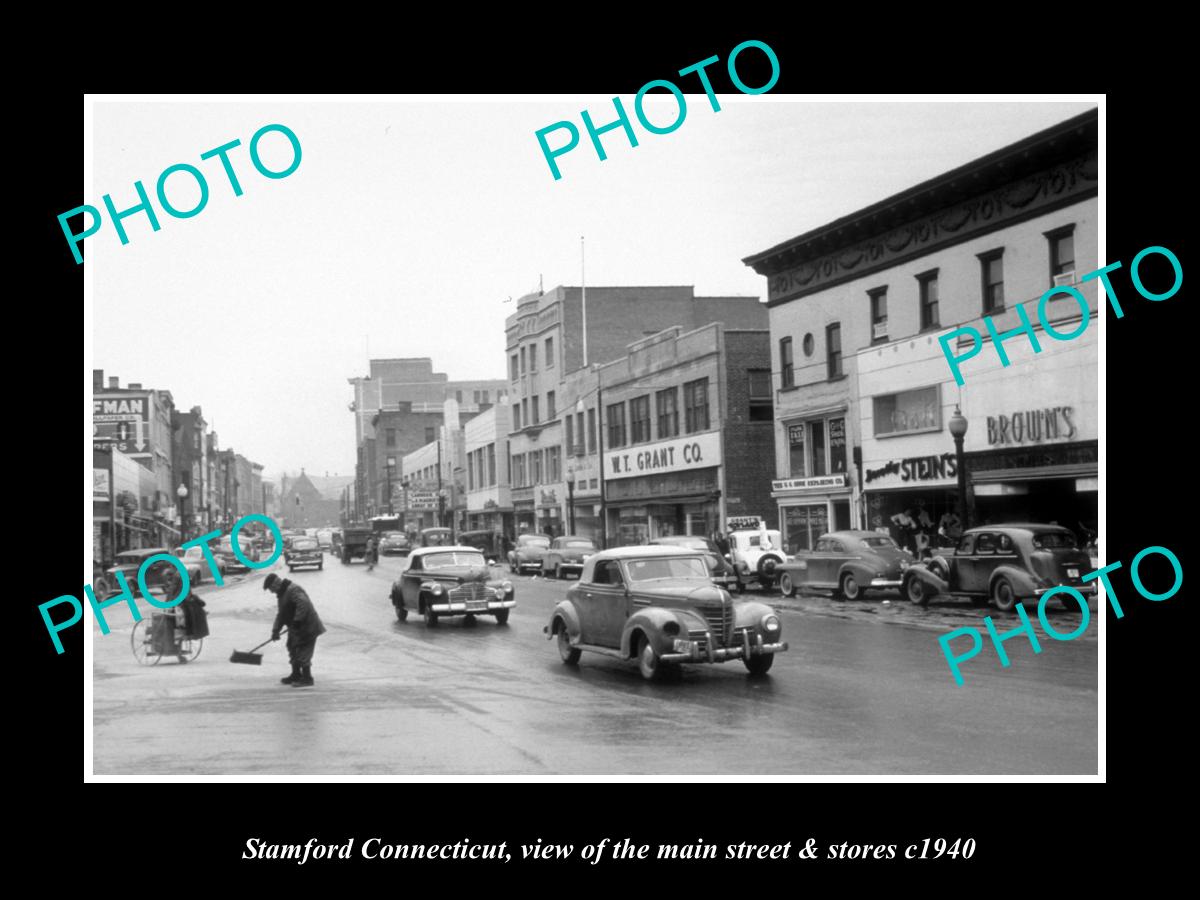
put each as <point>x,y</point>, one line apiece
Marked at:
<point>475,592</point>
<point>720,620</point>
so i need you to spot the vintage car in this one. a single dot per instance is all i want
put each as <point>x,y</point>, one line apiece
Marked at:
<point>528,553</point>
<point>489,543</point>
<point>436,537</point>
<point>755,555</point>
<point>1004,564</point>
<point>567,554</point>
<point>305,551</point>
<point>325,538</point>
<point>847,562</point>
<point>720,569</point>
<point>130,561</point>
<point>394,543</point>
<point>196,563</point>
<point>450,581</point>
<point>658,605</point>
<point>223,551</point>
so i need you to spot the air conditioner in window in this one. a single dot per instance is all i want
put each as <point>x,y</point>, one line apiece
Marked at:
<point>1064,278</point>
<point>879,330</point>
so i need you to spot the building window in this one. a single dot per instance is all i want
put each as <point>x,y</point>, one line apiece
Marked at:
<point>518,471</point>
<point>535,467</point>
<point>516,417</point>
<point>591,428</point>
<point>991,273</point>
<point>525,411</point>
<point>570,423</point>
<point>928,282</point>
<point>816,434</point>
<point>1062,255</point>
<point>551,412</point>
<point>833,347</point>
<point>458,396</point>
<point>578,449</point>
<point>536,415</point>
<point>639,419</point>
<point>908,411</point>
<point>616,425</point>
<point>430,435</point>
<point>667,403</point>
<point>758,389</point>
<point>491,465</point>
<point>879,318</point>
<point>787,369</point>
<point>549,353</point>
<point>533,357</point>
<point>390,434</point>
<point>553,464</point>
<point>522,360</point>
<point>695,405</point>
<point>513,367</point>
<point>797,467</point>
<point>817,448</point>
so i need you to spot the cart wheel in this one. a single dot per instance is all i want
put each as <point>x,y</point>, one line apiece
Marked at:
<point>143,645</point>
<point>189,648</point>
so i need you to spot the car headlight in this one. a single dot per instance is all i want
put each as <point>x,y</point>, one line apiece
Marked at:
<point>498,593</point>
<point>770,623</point>
<point>436,589</point>
<point>903,564</point>
<point>670,628</point>
<point>507,587</point>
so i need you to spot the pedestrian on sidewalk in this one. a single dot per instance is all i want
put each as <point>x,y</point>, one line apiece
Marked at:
<point>304,626</point>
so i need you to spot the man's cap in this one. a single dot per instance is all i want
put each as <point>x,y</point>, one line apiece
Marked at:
<point>270,581</point>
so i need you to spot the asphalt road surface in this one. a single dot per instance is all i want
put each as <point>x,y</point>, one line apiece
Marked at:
<point>864,689</point>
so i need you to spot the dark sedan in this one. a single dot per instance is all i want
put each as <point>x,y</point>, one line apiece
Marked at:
<point>305,551</point>
<point>848,563</point>
<point>567,555</point>
<point>1004,564</point>
<point>395,543</point>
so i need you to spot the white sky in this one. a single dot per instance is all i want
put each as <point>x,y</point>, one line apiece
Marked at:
<point>409,224</point>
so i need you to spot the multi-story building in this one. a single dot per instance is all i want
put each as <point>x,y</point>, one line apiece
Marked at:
<point>857,307</point>
<point>190,453</point>
<point>137,422</point>
<point>407,397</point>
<point>434,478</point>
<point>489,497</point>
<point>556,333</point>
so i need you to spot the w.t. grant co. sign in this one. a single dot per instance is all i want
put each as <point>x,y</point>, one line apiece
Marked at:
<point>696,451</point>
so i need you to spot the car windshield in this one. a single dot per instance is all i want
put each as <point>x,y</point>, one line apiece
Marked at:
<point>580,545</point>
<point>456,558</point>
<point>1055,540</point>
<point>667,567</point>
<point>879,541</point>
<point>534,542</point>
<point>305,544</point>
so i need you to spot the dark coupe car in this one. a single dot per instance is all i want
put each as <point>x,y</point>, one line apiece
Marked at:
<point>849,563</point>
<point>719,568</point>
<point>528,553</point>
<point>1004,564</point>
<point>305,551</point>
<point>450,581</point>
<point>565,555</point>
<point>658,605</point>
<point>130,561</point>
<point>394,543</point>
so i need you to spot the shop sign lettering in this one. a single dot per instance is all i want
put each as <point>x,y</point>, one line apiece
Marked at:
<point>917,468</point>
<point>1032,426</point>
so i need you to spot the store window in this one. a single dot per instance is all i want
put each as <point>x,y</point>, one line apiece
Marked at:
<point>804,525</point>
<point>817,447</point>
<point>616,425</point>
<point>695,402</point>
<point>667,403</point>
<point>797,461</point>
<point>639,419</point>
<point>908,411</point>
<point>758,389</point>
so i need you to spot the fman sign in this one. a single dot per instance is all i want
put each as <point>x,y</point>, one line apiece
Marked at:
<point>697,451</point>
<point>124,409</point>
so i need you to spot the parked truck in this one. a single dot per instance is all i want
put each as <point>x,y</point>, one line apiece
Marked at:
<point>354,542</point>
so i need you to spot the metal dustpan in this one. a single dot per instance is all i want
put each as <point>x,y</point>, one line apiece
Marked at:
<point>249,658</point>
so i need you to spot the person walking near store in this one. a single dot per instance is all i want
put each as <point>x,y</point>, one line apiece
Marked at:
<point>298,615</point>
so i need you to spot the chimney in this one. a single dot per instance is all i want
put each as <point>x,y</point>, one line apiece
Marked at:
<point>135,385</point>
<point>114,382</point>
<point>97,380</point>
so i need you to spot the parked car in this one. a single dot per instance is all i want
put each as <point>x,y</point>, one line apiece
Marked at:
<point>325,538</point>
<point>441,582</point>
<point>305,551</point>
<point>567,554</point>
<point>528,552</point>
<point>755,555</point>
<point>849,563</point>
<point>1004,564</point>
<point>130,561</point>
<point>658,605</point>
<point>394,543</point>
<point>720,570</point>
<point>436,537</point>
<point>196,563</point>
<point>489,543</point>
<point>224,552</point>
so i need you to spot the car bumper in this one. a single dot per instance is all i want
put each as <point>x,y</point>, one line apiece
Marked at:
<point>476,607</point>
<point>535,564</point>
<point>306,561</point>
<point>886,583</point>
<point>1088,590</point>
<point>686,650</point>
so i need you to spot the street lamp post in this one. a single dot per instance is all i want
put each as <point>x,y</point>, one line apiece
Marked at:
<point>958,430</point>
<point>571,496</point>
<point>441,508</point>
<point>391,462</point>
<point>182,493</point>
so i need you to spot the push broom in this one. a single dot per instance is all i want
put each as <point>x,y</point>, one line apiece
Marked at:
<point>250,658</point>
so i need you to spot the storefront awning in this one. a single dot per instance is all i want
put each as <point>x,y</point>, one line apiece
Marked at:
<point>1069,470</point>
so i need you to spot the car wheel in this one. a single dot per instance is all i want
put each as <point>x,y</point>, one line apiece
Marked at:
<point>1003,596</point>
<point>648,662</point>
<point>741,586</point>
<point>468,620</point>
<point>512,567</point>
<point>850,588</point>
<point>786,586</point>
<point>758,665</point>
<point>291,568</point>
<point>570,655</point>
<point>401,613</point>
<point>431,618</point>
<point>917,591</point>
<point>321,566</point>
<point>551,573</point>
<point>502,617</point>
<point>558,571</point>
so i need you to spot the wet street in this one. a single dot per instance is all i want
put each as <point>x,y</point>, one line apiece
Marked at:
<point>864,689</point>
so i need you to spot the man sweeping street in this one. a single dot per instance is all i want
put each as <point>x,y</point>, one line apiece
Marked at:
<point>304,626</point>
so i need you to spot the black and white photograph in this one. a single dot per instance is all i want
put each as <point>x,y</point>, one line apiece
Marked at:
<point>536,439</point>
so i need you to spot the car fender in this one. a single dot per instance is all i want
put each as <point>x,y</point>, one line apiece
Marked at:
<point>750,612</point>
<point>1021,580</point>
<point>564,610</point>
<point>860,570</point>
<point>651,621</point>
<point>922,573</point>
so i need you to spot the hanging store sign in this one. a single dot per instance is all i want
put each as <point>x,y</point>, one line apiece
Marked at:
<point>802,484</point>
<point>917,468</point>
<point>697,451</point>
<point>1032,426</point>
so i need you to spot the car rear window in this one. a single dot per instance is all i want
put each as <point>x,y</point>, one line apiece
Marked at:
<point>1055,540</point>
<point>306,544</point>
<point>880,541</point>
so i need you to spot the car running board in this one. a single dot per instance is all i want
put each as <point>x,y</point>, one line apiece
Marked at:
<point>614,652</point>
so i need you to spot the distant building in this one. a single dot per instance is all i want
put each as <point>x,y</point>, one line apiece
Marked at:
<point>313,501</point>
